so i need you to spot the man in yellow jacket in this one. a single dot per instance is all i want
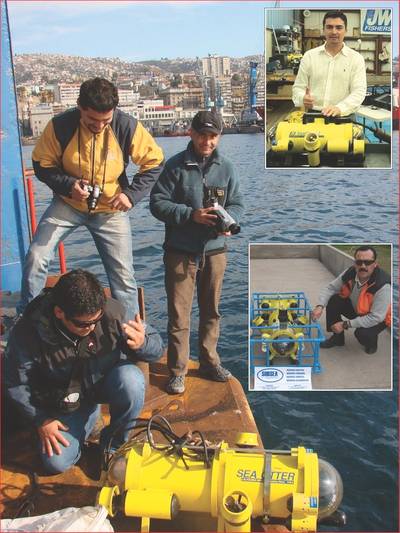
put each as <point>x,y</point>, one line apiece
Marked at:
<point>82,156</point>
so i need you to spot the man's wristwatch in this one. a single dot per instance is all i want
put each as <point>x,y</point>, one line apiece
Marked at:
<point>346,324</point>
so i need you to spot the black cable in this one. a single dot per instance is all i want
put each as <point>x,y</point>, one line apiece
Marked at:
<point>174,446</point>
<point>28,503</point>
<point>167,433</point>
<point>205,447</point>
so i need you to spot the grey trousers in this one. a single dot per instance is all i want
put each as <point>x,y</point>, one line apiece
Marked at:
<point>182,274</point>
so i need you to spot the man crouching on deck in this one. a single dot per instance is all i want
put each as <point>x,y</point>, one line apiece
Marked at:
<point>70,352</point>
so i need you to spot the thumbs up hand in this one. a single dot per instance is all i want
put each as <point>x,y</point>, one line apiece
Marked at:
<point>308,100</point>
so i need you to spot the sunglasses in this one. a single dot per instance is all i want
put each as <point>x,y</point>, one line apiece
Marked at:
<point>366,262</point>
<point>82,325</point>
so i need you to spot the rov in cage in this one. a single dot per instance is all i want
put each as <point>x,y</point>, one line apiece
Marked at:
<point>281,327</point>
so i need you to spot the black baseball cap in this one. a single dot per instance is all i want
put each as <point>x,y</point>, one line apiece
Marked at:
<point>207,122</point>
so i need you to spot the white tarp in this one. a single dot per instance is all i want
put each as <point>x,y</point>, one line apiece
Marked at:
<point>69,519</point>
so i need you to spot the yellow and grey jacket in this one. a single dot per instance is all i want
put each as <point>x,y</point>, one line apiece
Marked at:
<point>68,150</point>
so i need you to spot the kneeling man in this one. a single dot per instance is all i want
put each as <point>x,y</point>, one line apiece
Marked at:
<point>70,352</point>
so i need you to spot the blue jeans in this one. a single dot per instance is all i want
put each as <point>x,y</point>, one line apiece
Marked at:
<point>111,233</point>
<point>123,389</point>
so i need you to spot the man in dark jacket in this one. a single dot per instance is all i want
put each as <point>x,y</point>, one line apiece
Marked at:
<point>191,187</point>
<point>362,293</point>
<point>71,351</point>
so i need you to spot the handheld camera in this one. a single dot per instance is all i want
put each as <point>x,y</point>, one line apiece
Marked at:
<point>225,221</point>
<point>94,195</point>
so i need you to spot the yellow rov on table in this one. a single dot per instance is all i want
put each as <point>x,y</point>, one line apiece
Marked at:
<point>281,326</point>
<point>311,139</point>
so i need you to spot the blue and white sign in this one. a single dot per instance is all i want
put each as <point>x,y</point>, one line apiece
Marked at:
<point>376,21</point>
<point>283,378</point>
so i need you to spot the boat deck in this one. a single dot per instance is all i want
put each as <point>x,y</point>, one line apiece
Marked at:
<point>343,368</point>
<point>218,410</point>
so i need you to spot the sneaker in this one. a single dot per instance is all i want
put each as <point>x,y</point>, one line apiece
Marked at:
<point>215,373</point>
<point>335,340</point>
<point>176,385</point>
<point>370,349</point>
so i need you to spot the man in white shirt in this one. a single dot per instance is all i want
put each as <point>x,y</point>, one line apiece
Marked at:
<point>362,293</point>
<point>332,77</point>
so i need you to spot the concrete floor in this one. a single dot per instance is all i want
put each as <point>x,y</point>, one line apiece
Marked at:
<point>344,368</point>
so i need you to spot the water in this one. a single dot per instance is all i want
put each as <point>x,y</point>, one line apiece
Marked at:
<point>357,432</point>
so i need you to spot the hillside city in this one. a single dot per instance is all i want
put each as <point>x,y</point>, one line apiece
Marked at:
<point>164,94</point>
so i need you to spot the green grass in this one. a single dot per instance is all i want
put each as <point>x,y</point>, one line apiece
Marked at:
<point>383,251</point>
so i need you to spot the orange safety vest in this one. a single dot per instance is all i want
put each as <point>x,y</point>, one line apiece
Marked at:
<point>378,279</point>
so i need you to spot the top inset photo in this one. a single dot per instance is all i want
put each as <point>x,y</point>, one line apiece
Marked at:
<point>330,91</point>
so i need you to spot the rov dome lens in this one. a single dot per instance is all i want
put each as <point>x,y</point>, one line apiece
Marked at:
<point>330,489</point>
<point>283,347</point>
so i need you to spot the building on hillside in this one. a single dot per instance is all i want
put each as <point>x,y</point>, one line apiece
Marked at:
<point>66,94</point>
<point>214,65</point>
<point>39,117</point>
<point>186,97</point>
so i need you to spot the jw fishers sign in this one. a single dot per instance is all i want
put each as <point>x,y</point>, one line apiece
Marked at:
<point>376,21</point>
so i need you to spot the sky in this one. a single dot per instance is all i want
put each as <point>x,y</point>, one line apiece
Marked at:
<point>144,30</point>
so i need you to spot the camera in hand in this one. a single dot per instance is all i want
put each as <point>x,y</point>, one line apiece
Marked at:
<point>94,195</point>
<point>225,222</point>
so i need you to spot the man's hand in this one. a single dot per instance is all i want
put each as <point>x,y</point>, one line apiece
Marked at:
<point>204,216</point>
<point>78,192</point>
<point>120,202</point>
<point>338,327</point>
<point>135,333</point>
<point>50,436</point>
<point>331,111</point>
<point>316,313</point>
<point>308,100</point>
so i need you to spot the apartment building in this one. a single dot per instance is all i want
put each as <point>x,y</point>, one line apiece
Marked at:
<point>214,65</point>
<point>66,94</point>
<point>39,117</point>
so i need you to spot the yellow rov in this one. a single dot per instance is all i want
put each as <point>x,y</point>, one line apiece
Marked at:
<point>281,326</point>
<point>279,315</point>
<point>231,484</point>
<point>314,136</point>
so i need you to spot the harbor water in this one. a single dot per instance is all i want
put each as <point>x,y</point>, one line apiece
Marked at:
<point>356,431</point>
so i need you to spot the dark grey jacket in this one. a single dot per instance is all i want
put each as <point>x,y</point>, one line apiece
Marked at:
<point>180,190</point>
<point>39,358</point>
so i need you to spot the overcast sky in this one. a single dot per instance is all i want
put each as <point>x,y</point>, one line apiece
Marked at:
<point>150,30</point>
